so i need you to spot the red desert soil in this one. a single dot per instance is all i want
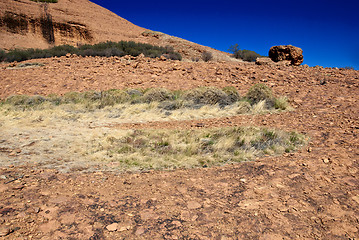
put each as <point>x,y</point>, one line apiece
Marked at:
<point>309,194</point>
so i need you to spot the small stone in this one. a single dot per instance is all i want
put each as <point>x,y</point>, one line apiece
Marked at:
<point>112,227</point>
<point>4,231</point>
<point>124,228</point>
<point>140,231</point>
<point>309,149</point>
<point>356,198</point>
<point>193,205</point>
<point>243,180</point>
<point>326,160</point>
<point>177,223</point>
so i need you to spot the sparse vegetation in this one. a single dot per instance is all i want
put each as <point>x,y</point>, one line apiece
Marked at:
<point>106,49</point>
<point>207,56</point>
<point>2,55</point>
<point>170,149</point>
<point>259,99</point>
<point>74,115</point>
<point>245,55</point>
<point>260,92</point>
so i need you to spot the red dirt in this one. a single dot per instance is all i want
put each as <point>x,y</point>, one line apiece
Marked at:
<point>310,194</point>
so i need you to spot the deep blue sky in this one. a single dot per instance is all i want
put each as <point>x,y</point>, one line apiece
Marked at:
<point>327,31</point>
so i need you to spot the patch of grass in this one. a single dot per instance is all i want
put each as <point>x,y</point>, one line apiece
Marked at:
<point>281,103</point>
<point>158,103</point>
<point>170,149</point>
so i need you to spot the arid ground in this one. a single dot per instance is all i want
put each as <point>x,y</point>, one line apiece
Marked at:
<point>308,194</point>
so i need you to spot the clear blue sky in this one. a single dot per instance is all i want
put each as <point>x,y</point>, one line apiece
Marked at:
<point>327,31</point>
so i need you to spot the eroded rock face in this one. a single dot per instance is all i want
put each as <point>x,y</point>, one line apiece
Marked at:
<point>44,26</point>
<point>286,52</point>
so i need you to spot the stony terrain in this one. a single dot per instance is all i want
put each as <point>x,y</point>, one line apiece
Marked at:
<point>309,194</point>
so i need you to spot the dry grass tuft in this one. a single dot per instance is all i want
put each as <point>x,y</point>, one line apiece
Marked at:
<point>171,149</point>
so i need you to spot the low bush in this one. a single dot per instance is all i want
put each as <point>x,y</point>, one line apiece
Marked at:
<point>245,55</point>
<point>260,92</point>
<point>105,49</point>
<point>2,55</point>
<point>206,95</point>
<point>157,95</point>
<point>207,56</point>
<point>232,94</point>
<point>113,96</point>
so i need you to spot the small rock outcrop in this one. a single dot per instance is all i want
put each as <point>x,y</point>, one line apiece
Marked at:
<point>286,52</point>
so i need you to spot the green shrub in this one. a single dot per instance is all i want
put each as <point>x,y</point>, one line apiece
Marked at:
<point>24,100</point>
<point>2,55</point>
<point>72,97</point>
<point>206,95</point>
<point>249,56</point>
<point>114,96</point>
<point>232,93</point>
<point>105,49</point>
<point>157,95</point>
<point>245,55</point>
<point>259,92</point>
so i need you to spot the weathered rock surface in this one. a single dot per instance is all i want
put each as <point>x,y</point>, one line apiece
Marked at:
<point>268,62</point>
<point>286,52</point>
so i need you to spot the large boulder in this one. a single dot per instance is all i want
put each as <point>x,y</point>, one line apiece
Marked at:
<point>286,52</point>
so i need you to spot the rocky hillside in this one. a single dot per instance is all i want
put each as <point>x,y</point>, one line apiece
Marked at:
<point>29,24</point>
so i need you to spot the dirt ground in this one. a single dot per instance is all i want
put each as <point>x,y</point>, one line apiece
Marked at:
<point>309,194</point>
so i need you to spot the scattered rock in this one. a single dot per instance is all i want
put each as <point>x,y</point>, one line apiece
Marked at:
<point>326,160</point>
<point>286,52</point>
<point>112,227</point>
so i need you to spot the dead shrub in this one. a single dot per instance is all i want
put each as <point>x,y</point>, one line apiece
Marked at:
<point>207,56</point>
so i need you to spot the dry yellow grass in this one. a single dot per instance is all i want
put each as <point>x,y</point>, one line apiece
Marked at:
<point>76,135</point>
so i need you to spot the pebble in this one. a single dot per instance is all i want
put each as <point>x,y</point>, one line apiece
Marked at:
<point>4,231</point>
<point>112,227</point>
<point>193,205</point>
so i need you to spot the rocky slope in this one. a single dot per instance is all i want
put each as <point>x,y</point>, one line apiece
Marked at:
<point>29,24</point>
<point>310,194</point>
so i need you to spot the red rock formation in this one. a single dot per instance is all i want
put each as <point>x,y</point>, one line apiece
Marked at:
<point>286,52</point>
